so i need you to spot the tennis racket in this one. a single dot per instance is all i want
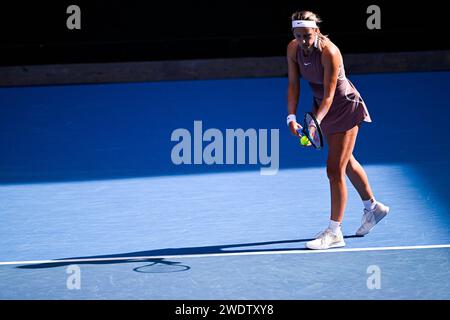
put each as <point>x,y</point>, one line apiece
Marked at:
<point>311,129</point>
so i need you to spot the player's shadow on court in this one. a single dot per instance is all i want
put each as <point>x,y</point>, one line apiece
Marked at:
<point>156,261</point>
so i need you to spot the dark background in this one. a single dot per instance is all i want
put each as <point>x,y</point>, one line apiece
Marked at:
<point>130,30</point>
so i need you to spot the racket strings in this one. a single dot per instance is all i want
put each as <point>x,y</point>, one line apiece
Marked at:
<point>312,131</point>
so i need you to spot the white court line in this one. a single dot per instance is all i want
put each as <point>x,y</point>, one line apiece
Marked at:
<point>250,253</point>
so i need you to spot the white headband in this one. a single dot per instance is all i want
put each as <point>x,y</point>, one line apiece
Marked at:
<point>304,24</point>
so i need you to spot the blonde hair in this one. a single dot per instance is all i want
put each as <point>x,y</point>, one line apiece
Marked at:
<point>311,16</point>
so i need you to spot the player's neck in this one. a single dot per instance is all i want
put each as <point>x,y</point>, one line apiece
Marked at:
<point>307,52</point>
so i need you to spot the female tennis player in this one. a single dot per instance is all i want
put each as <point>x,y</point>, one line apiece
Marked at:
<point>339,110</point>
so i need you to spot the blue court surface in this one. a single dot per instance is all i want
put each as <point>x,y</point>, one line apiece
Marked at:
<point>93,204</point>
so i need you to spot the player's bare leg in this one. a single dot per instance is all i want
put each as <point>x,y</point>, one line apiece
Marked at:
<point>358,177</point>
<point>374,210</point>
<point>340,149</point>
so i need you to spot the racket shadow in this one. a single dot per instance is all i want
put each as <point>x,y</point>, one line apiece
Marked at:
<point>159,264</point>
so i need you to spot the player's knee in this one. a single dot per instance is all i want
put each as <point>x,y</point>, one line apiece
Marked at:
<point>335,172</point>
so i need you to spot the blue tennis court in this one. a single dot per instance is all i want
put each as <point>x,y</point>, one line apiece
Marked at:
<point>89,188</point>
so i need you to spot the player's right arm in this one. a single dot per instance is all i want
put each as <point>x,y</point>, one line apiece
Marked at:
<point>293,91</point>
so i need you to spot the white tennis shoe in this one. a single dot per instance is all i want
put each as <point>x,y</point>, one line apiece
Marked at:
<point>371,217</point>
<point>326,240</point>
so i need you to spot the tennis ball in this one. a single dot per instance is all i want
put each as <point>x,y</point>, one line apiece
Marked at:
<point>304,141</point>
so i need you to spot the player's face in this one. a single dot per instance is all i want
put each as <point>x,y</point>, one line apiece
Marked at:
<point>305,36</point>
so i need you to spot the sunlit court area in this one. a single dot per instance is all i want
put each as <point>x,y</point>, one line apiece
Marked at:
<point>125,175</point>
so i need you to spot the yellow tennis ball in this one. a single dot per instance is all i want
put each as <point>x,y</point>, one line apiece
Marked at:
<point>304,141</point>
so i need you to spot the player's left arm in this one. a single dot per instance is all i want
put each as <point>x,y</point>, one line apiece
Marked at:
<point>331,60</point>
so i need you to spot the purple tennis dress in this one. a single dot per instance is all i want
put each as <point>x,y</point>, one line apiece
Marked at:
<point>347,109</point>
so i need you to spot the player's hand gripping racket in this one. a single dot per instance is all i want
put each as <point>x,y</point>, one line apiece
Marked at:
<point>311,129</point>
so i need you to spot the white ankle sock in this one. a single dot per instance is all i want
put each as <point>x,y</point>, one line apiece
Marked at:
<point>370,204</point>
<point>335,226</point>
